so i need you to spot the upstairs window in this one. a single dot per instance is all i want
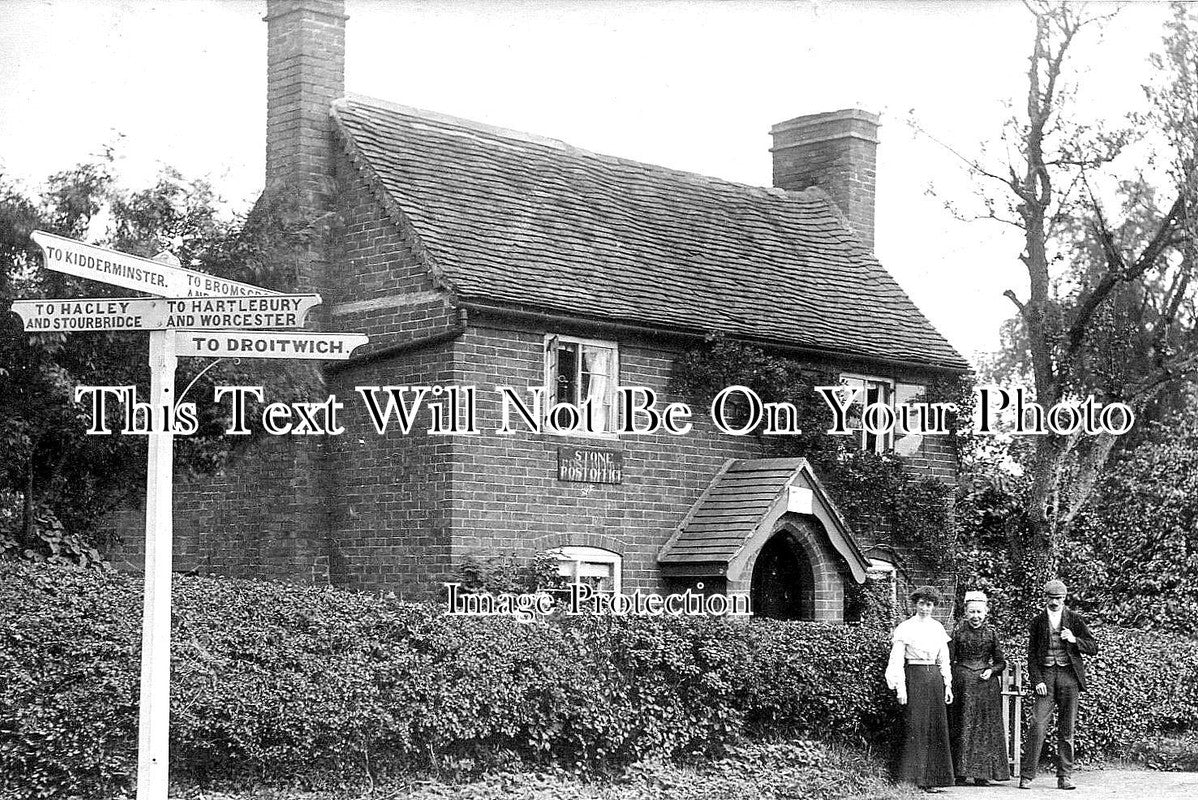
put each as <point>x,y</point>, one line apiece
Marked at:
<point>867,392</point>
<point>582,371</point>
<point>591,566</point>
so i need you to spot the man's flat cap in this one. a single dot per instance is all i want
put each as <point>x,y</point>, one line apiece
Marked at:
<point>1055,587</point>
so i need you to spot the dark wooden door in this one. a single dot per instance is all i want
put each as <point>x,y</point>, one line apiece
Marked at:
<point>783,582</point>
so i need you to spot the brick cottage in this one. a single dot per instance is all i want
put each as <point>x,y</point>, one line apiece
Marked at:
<point>478,256</point>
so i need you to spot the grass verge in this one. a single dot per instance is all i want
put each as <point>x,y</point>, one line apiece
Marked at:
<point>795,770</point>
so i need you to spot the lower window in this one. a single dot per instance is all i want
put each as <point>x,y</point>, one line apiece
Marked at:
<point>592,566</point>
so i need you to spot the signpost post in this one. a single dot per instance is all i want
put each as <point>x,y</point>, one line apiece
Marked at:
<point>153,731</point>
<point>194,314</point>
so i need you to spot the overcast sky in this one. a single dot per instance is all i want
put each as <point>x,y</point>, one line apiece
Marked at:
<point>690,85</point>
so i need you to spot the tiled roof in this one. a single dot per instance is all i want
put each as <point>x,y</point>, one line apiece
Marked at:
<point>516,220</point>
<point>745,496</point>
<point>730,510</point>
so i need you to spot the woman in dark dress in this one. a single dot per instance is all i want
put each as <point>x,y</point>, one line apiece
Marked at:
<point>919,674</point>
<point>979,744</point>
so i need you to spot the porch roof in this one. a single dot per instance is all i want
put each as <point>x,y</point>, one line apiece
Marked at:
<point>746,494</point>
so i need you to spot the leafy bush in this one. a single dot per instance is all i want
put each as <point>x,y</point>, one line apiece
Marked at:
<point>882,494</point>
<point>758,771</point>
<point>275,682</point>
<point>1138,687</point>
<point>500,574</point>
<point>68,687</point>
<point>1134,560</point>
<point>48,539</point>
<point>818,680</point>
<point>1139,684</point>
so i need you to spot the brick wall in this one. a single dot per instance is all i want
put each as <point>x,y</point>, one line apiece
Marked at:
<point>809,543</point>
<point>836,151</point>
<point>389,497</point>
<point>390,494</point>
<point>261,517</point>
<point>506,495</point>
<point>379,285</point>
<point>937,458</point>
<point>505,492</point>
<point>295,508</point>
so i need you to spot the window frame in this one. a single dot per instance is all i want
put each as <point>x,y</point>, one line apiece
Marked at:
<point>585,554</point>
<point>550,346</point>
<point>885,443</point>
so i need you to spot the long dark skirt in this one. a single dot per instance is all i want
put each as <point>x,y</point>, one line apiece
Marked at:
<point>926,756</point>
<point>975,722</point>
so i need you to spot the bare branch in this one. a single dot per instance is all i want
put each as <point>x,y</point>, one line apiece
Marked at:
<point>1169,316</point>
<point>1055,221</point>
<point>1118,269</point>
<point>972,163</point>
<point>1161,239</point>
<point>1152,384</point>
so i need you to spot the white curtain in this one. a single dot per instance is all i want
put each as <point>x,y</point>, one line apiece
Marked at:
<point>597,363</point>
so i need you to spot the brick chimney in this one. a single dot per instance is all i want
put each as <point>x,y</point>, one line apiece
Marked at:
<point>305,72</point>
<point>836,151</point>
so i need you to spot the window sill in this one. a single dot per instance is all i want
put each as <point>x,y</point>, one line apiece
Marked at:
<point>601,437</point>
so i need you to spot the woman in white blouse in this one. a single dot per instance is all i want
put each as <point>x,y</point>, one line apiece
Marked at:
<point>920,674</point>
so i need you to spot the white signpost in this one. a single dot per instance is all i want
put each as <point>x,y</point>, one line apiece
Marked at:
<point>133,272</point>
<point>153,313</point>
<point>201,306</point>
<point>333,346</point>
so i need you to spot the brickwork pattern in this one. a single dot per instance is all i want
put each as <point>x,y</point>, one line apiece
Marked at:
<point>827,567</point>
<point>836,151</point>
<point>936,458</point>
<point>305,73</point>
<point>506,494</point>
<point>379,286</point>
<point>390,494</point>
<point>389,498</point>
<point>261,517</point>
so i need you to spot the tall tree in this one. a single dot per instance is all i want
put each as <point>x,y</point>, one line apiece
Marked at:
<point>56,482</point>
<point>1109,310</point>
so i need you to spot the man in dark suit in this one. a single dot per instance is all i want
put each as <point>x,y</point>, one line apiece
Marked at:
<point>1056,642</point>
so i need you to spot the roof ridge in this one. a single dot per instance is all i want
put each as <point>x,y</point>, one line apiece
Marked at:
<point>809,194</point>
<point>438,116</point>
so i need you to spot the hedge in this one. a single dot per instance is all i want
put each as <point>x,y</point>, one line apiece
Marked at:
<point>271,682</point>
<point>1141,683</point>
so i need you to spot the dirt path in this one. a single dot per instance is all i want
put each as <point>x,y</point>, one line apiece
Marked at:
<point>1107,783</point>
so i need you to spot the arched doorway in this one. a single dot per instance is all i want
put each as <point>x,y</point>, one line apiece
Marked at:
<point>783,584</point>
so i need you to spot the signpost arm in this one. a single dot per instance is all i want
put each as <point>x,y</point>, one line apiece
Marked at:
<point>154,720</point>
